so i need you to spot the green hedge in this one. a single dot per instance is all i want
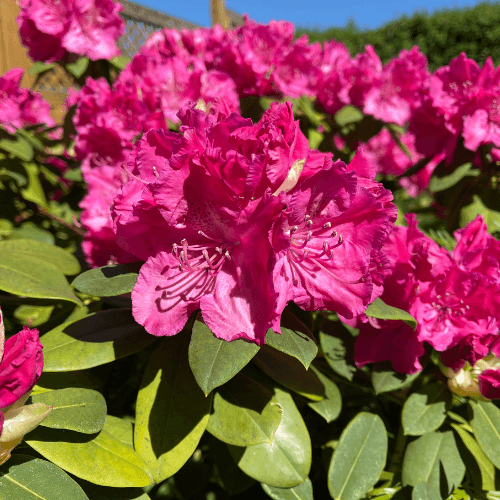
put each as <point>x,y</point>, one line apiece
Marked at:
<point>441,35</point>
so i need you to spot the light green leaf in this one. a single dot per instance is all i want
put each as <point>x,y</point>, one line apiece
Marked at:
<point>120,62</point>
<point>30,231</point>
<point>96,492</point>
<point>338,353</point>
<point>28,478</point>
<point>477,207</point>
<point>75,175</point>
<point>244,413</point>
<point>40,67</point>
<point>81,410</point>
<point>359,458</point>
<point>425,411</point>
<point>33,315</point>
<point>348,114</point>
<point>32,277</point>
<point>92,341</point>
<point>172,411</point>
<point>61,259</point>
<point>121,429</point>
<point>486,468</point>
<point>215,361</point>
<point>387,381</point>
<point>286,462</point>
<point>19,147</point>
<point>295,339</point>
<point>107,281</point>
<point>331,406</point>
<point>100,459</point>
<point>380,310</point>
<point>78,68</point>
<point>437,184</point>
<point>34,191</point>
<point>486,426</point>
<point>424,491</point>
<point>290,372</point>
<point>21,420</point>
<point>304,491</point>
<point>428,457</point>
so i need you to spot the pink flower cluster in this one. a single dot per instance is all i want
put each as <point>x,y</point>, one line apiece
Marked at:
<point>52,29</point>
<point>19,106</point>
<point>238,219</point>
<point>454,296</point>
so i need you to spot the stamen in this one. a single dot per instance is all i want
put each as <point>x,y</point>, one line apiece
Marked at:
<point>327,225</point>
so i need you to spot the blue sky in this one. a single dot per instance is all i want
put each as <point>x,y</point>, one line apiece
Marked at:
<point>322,13</point>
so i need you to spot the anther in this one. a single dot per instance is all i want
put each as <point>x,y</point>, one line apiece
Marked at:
<point>334,234</point>
<point>309,223</point>
<point>327,225</point>
<point>341,240</point>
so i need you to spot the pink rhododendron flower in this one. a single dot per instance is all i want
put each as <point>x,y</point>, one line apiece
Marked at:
<point>52,28</point>
<point>489,384</point>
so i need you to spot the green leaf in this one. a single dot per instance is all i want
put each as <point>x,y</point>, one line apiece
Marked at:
<point>486,468</point>
<point>28,478</point>
<point>215,361</point>
<point>96,492</point>
<point>331,406</point>
<point>380,310</point>
<point>424,491</point>
<point>100,459</point>
<point>120,62</point>
<point>477,207</point>
<point>19,147</point>
<point>286,462</point>
<point>63,260</point>
<point>29,231</point>
<point>338,351</point>
<point>92,341</point>
<point>33,315</point>
<point>359,458</point>
<point>40,67</point>
<point>304,491</point>
<point>78,68</point>
<point>107,281</point>
<point>172,411</point>
<point>430,456</point>
<point>121,429</point>
<point>348,114</point>
<point>387,381</point>
<point>75,175</point>
<point>19,420</point>
<point>81,410</point>
<point>34,191</point>
<point>290,372</point>
<point>437,184</point>
<point>244,413</point>
<point>295,340</point>
<point>32,277</point>
<point>486,426</point>
<point>425,411</point>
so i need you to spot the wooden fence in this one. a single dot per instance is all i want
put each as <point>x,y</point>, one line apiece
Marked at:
<point>140,23</point>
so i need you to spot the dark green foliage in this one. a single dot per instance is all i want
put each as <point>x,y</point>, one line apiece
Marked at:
<point>441,36</point>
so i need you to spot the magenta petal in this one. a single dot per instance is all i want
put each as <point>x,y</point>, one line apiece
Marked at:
<point>164,297</point>
<point>489,384</point>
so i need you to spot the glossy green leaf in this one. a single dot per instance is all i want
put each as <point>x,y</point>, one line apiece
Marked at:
<point>338,351</point>
<point>286,462</point>
<point>32,277</point>
<point>304,491</point>
<point>486,468</point>
<point>19,147</point>
<point>29,231</point>
<point>359,458</point>
<point>100,459</point>
<point>348,114</point>
<point>61,259</point>
<point>244,413</point>
<point>172,411</point>
<point>386,381</point>
<point>40,67</point>
<point>290,372</point>
<point>294,340</point>
<point>486,426</point>
<point>437,184</point>
<point>331,406</point>
<point>51,381</point>
<point>81,410</point>
<point>34,191</point>
<point>78,68</point>
<point>19,419</point>
<point>424,491</point>
<point>95,340</point>
<point>33,315</point>
<point>431,455</point>
<point>27,478</point>
<point>96,492</point>
<point>107,281</point>
<point>380,310</point>
<point>121,429</point>
<point>425,411</point>
<point>215,361</point>
<point>477,207</point>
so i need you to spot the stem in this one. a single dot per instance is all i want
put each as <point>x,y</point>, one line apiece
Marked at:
<point>68,225</point>
<point>397,456</point>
